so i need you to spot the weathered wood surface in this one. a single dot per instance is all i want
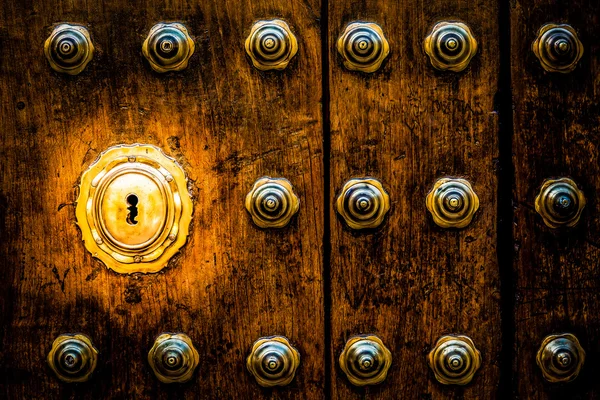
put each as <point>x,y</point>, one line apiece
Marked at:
<point>228,124</point>
<point>408,125</point>
<point>556,133</point>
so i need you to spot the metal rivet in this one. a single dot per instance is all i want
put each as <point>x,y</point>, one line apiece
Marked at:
<point>450,46</point>
<point>73,357</point>
<point>173,358</point>
<point>560,357</point>
<point>363,203</point>
<point>272,202</point>
<point>273,361</point>
<point>452,202</point>
<point>69,49</point>
<point>560,203</point>
<point>363,47</point>
<point>558,48</point>
<point>271,45</point>
<point>365,360</point>
<point>454,360</point>
<point>168,47</point>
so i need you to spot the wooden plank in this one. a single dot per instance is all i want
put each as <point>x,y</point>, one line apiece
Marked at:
<point>407,125</point>
<point>228,124</point>
<point>556,128</point>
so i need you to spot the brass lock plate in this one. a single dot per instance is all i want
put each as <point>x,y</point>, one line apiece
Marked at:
<point>134,208</point>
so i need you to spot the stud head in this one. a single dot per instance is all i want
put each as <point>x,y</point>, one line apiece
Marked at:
<point>363,47</point>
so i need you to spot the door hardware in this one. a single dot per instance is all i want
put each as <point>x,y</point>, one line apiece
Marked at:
<point>365,360</point>
<point>168,47</point>
<point>173,358</point>
<point>273,361</point>
<point>560,203</point>
<point>363,203</point>
<point>271,45</point>
<point>450,46</point>
<point>73,357</point>
<point>452,202</point>
<point>454,360</point>
<point>558,48</point>
<point>363,47</point>
<point>69,49</point>
<point>272,202</point>
<point>560,357</point>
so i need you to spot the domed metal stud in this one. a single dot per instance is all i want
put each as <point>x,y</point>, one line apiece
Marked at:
<point>69,49</point>
<point>363,203</point>
<point>454,360</point>
<point>273,361</point>
<point>168,47</point>
<point>560,358</point>
<point>73,357</point>
<point>450,46</point>
<point>452,202</point>
<point>272,202</point>
<point>560,203</point>
<point>558,48</point>
<point>173,358</point>
<point>363,47</point>
<point>365,360</point>
<point>271,45</point>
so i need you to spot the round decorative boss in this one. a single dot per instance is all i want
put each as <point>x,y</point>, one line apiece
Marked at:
<point>73,357</point>
<point>363,203</point>
<point>168,47</point>
<point>134,209</point>
<point>363,47</point>
<point>273,361</point>
<point>272,202</point>
<point>271,45</point>
<point>450,46</point>
<point>558,48</point>
<point>365,360</point>
<point>560,357</point>
<point>69,49</point>
<point>454,360</point>
<point>452,202</point>
<point>560,203</point>
<point>173,358</point>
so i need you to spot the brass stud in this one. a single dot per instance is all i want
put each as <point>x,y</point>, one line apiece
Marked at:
<point>272,202</point>
<point>273,361</point>
<point>168,47</point>
<point>363,203</point>
<point>560,203</point>
<point>454,360</point>
<point>173,358</point>
<point>452,202</point>
<point>365,360</point>
<point>73,357</point>
<point>558,48</point>
<point>69,49</point>
<point>560,357</point>
<point>363,47</point>
<point>450,46</point>
<point>271,45</point>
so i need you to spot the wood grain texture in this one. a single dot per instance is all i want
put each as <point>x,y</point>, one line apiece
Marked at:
<point>408,125</point>
<point>556,133</point>
<point>228,125</point>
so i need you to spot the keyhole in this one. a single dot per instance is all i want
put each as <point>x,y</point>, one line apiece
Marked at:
<point>132,201</point>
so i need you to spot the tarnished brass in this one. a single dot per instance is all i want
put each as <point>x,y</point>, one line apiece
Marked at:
<point>454,360</point>
<point>273,361</point>
<point>69,49</point>
<point>73,357</point>
<point>134,209</point>
<point>363,203</point>
<point>560,357</point>
<point>558,48</point>
<point>363,47</point>
<point>173,358</point>
<point>272,202</point>
<point>365,360</point>
<point>271,45</point>
<point>560,203</point>
<point>168,47</point>
<point>452,202</point>
<point>450,46</point>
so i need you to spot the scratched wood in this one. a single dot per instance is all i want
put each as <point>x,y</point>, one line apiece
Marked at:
<point>408,125</point>
<point>556,133</point>
<point>228,124</point>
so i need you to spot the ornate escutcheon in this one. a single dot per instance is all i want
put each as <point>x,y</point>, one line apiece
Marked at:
<point>273,361</point>
<point>363,203</point>
<point>454,360</point>
<point>558,48</point>
<point>272,202</point>
<point>365,360</point>
<point>560,202</point>
<point>134,209</point>
<point>450,46</point>
<point>69,49</point>
<point>173,358</point>
<point>560,357</point>
<point>452,202</point>
<point>168,47</point>
<point>363,47</point>
<point>73,357</point>
<point>271,45</point>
